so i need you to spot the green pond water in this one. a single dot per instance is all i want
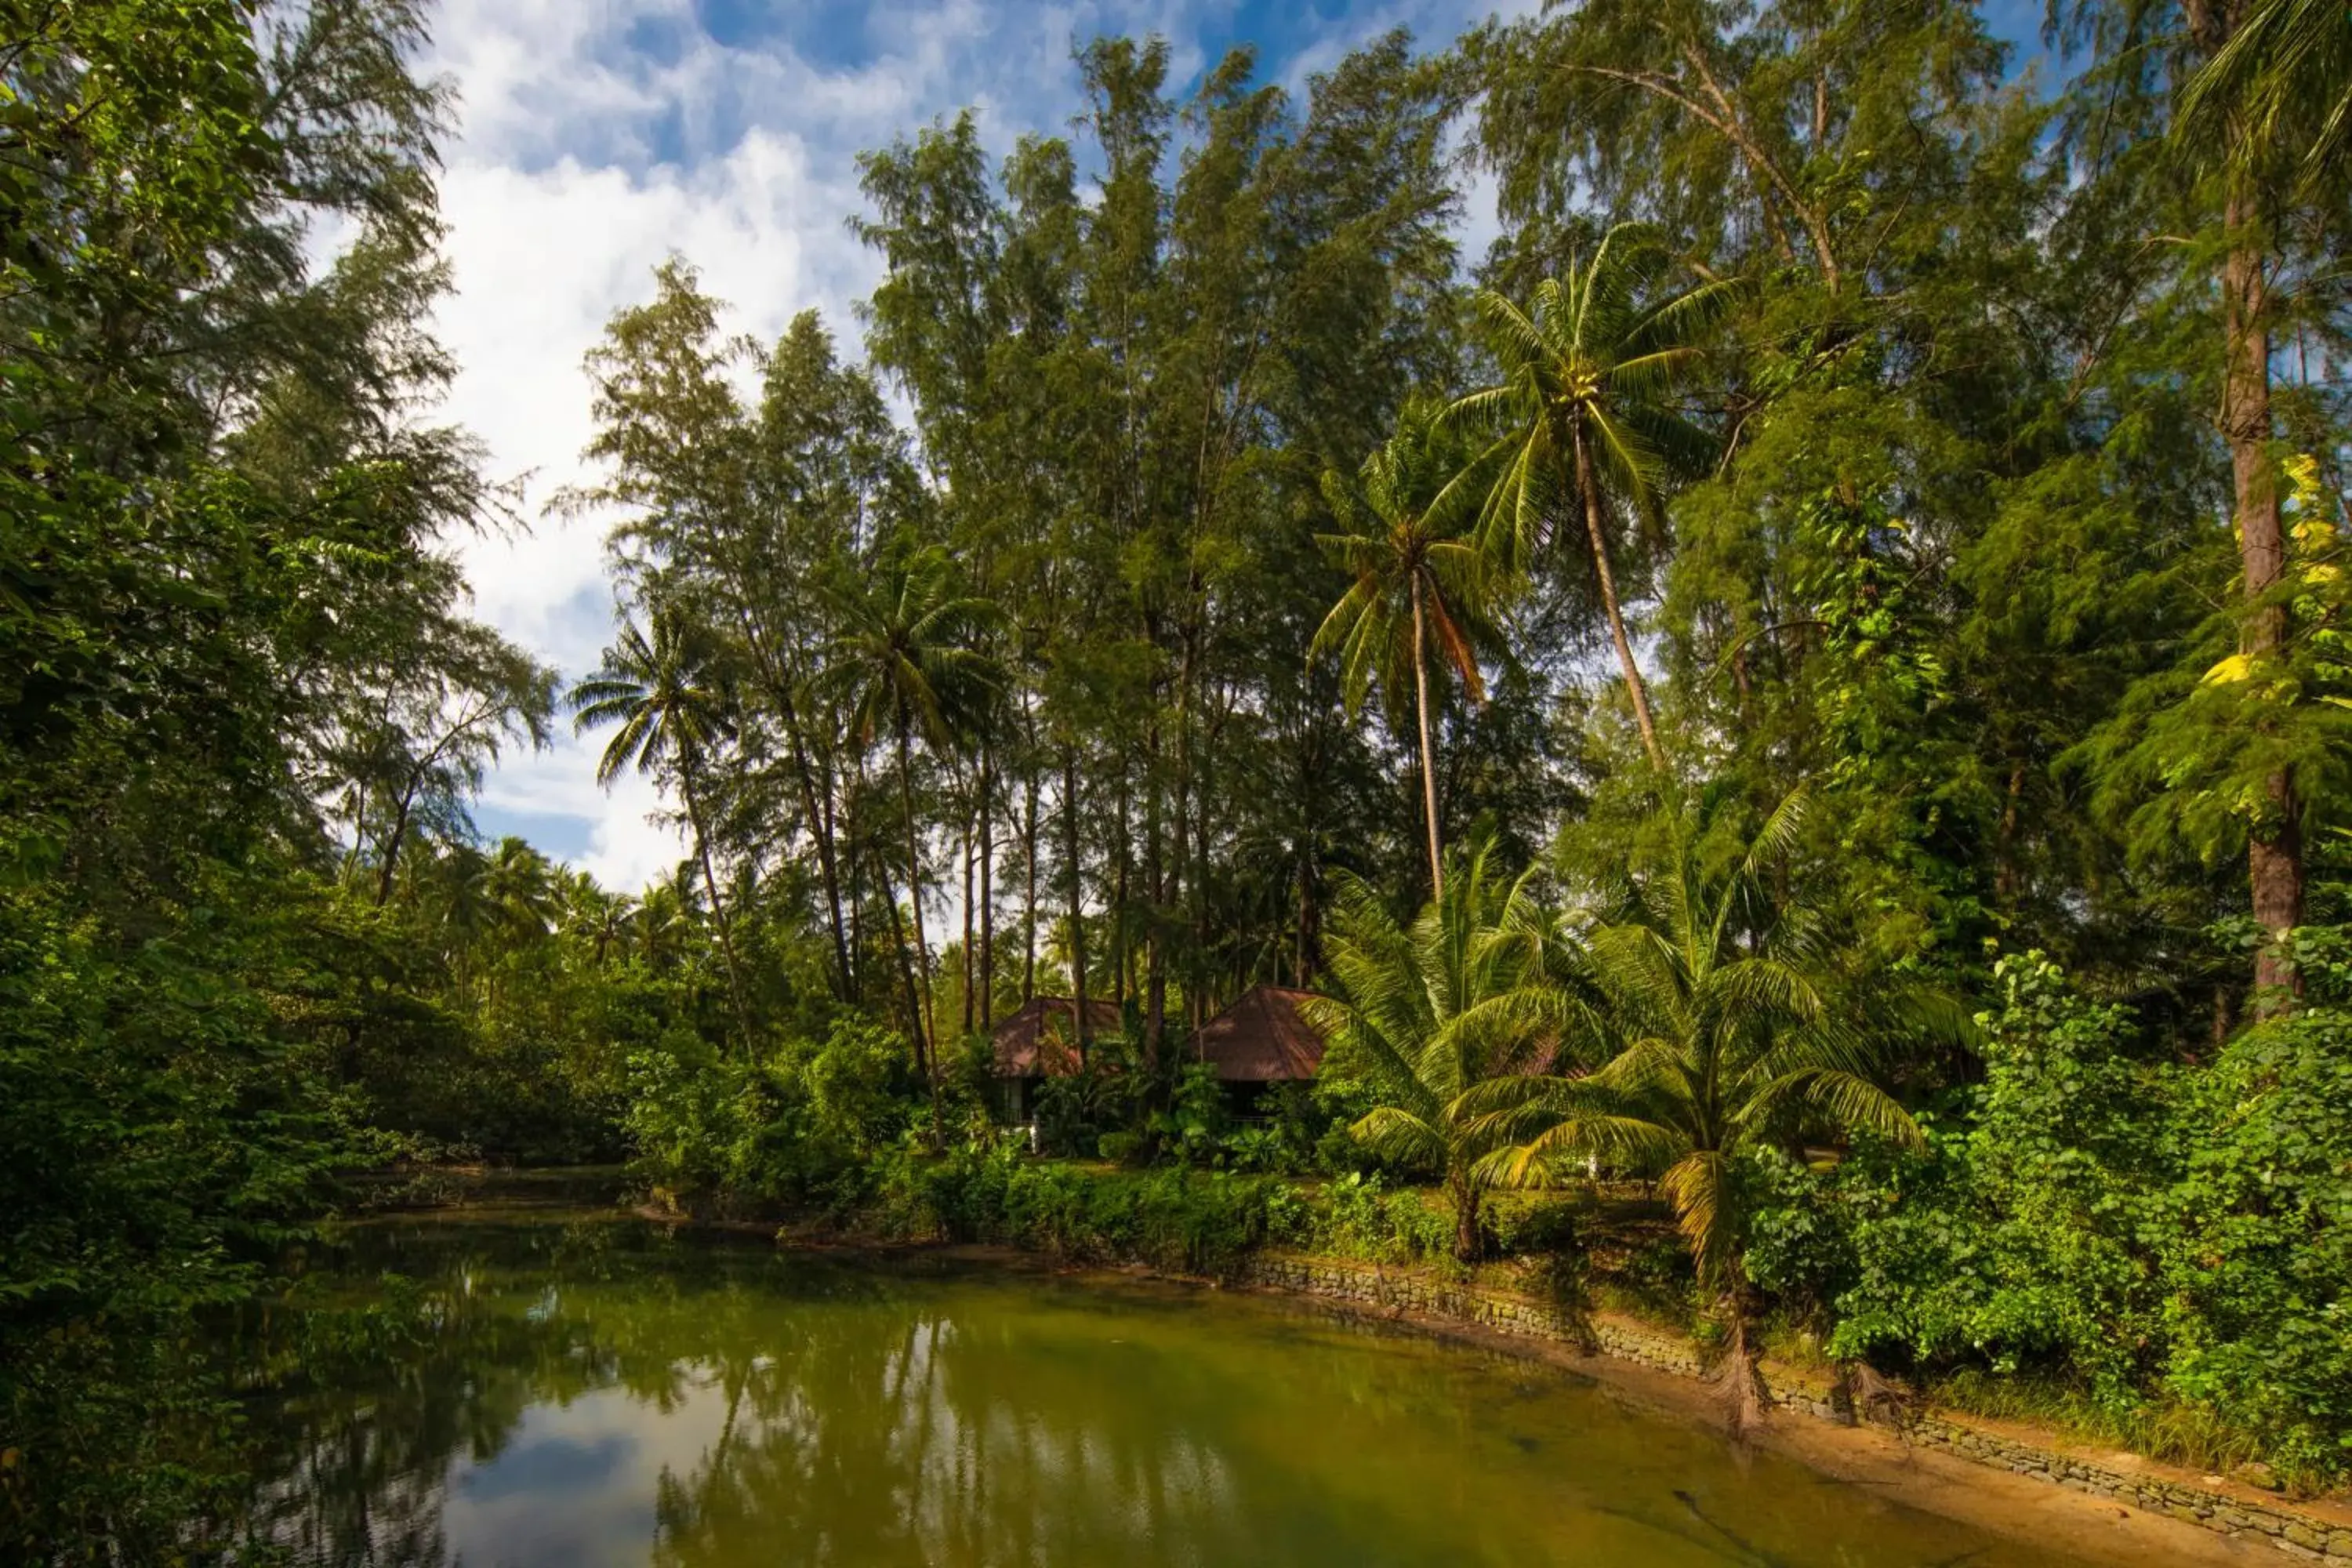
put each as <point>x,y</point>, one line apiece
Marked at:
<point>603,1394</point>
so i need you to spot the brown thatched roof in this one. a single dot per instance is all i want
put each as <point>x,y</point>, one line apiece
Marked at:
<point>1264,1037</point>
<point>1041,1040</point>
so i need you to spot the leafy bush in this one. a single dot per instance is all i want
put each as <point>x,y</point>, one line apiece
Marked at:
<point>799,1128</point>
<point>2257,1230</point>
<point>1523,1224</point>
<point>2142,1237</point>
<point>1075,1111</point>
<point>1359,1218</point>
<point>1199,1223</point>
<point>1193,1129</point>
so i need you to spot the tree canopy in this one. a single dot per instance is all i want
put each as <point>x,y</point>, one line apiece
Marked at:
<point>1845,410</point>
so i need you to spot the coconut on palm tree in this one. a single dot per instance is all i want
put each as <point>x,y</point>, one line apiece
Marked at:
<point>1584,420</point>
<point>1726,1024</point>
<point>665,693</point>
<point>1418,582</point>
<point>1426,1014</point>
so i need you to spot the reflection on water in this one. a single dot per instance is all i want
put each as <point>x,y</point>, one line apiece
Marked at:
<point>604,1394</point>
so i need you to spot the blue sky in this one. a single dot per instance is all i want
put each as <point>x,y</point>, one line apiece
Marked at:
<point>599,136</point>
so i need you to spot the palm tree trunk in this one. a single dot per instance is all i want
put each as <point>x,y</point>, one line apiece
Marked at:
<point>859,791</point>
<point>1078,901</point>
<point>1428,753</point>
<point>1465,1219</point>
<point>1746,1398</point>
<point>914,901</point>
<point>1600,542</point>
<point>718,905</point>
<point>987,891</point>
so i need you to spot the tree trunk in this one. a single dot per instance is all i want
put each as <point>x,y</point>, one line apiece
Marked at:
<point>915,903</point>
<point>1181,874</point>
<point>391,848</point>
<point>2005,879</point>
<point>1119,896</point>
<point>1029,893</point>
<point>2275,853</point>
<point>1428,753</point>
<point>1155,893</point>
<point>820,821</point>
<point>718,905</point>
<point>970,832</point>
<point>897,935</point>
<point>857,924</point>
<point>987,891</point>
<point>1599,539</point>
<point>1466,1244</point>
<point>1078,901</point>
<point>1198,998</point>
<point>905,967</point>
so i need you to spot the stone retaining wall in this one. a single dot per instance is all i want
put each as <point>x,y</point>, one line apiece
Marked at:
<point>1364,1285</point>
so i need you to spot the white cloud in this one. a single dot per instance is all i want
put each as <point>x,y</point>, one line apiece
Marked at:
<point>599,139</point>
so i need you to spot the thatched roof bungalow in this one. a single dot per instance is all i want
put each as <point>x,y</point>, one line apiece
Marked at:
<point>1039,1041</point>
<point>1264,1037</point>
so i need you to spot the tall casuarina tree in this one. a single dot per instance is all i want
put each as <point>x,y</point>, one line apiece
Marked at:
<point>2270,111</point>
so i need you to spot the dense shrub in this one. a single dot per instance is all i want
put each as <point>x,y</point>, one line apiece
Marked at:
<point>1201,1223</point>
<point>799,1127</point>
<point>2257,1240</point>
<point>2134,1234</point>
<point>1361,1217</point>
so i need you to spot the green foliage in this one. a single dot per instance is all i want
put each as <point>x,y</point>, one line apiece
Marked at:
<point>2147,1234</point>
<point>1927,443</point>
<point>2259,1318</point>
<point>1433,1016</point>
<point>1172,1219</point>
<point>1724,1020</point>
<point>1361,1217</point>
<point>798,1129</point>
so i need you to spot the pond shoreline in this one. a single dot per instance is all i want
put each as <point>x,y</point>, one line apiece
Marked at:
<point>2019,1481</point>
<point>1977,1473</point>
<point>2014,1480</point>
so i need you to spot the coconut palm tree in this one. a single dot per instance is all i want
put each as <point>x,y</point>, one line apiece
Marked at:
<point>665,693</point>
<point>1582,416</point>
<point>2280,81</point>
<point>663,926</point>
<point>592,918</point>
<point>521,885</point>
<point>1416,579</point>
<point>1726,1024</point>
<point>458,882</point>
<point>1427,1013</point>
<point>910,663</point>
